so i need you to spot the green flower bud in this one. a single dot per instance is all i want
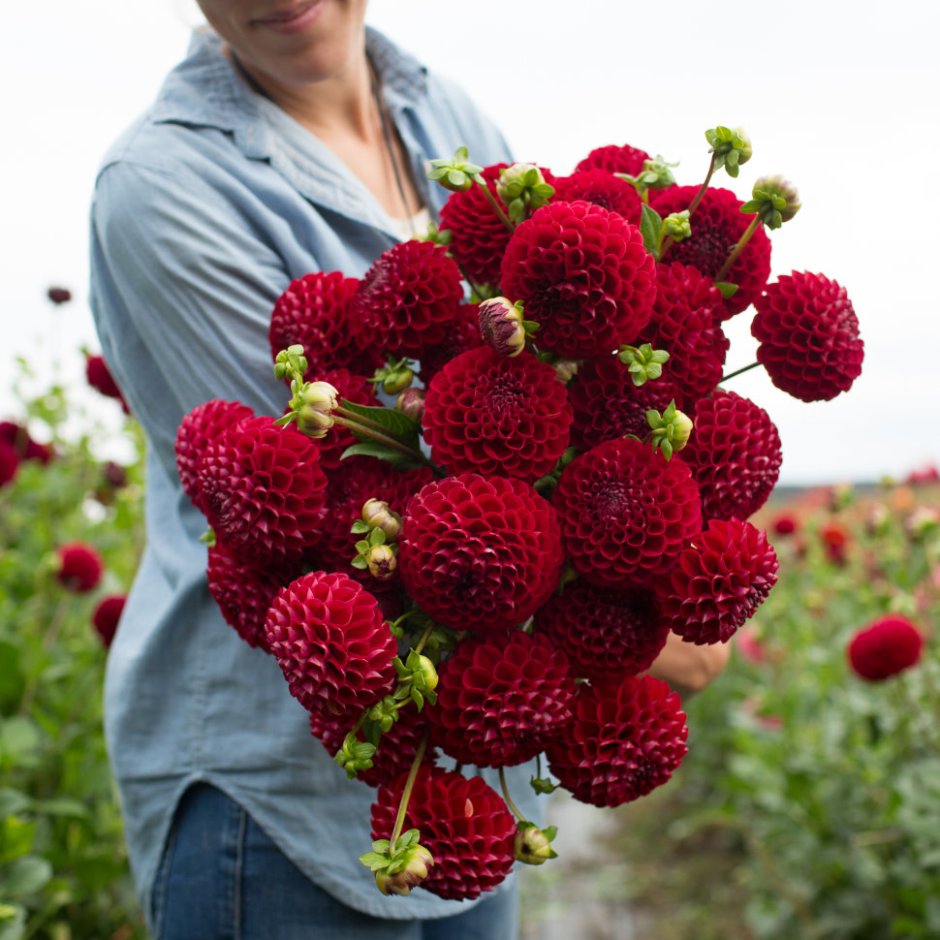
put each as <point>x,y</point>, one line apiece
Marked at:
<point>394,377</point>
<point>313,404</point>
<point>457,174</point>
<point>533,845</point>
<point>382,562</point>
<point>774,199</point>
<point>290,363</point>
<point>730,147</point>
<point>523,189</point>
<point>566,369</point>
<point>671,430</point>
<point>677,226</point>
<point>410,872</point>
<point>643,362</point>
<point>411,403</point>
<point>502,326</point>
<point>379,515</point>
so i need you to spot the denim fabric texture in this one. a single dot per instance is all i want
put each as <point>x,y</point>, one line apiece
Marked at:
<point>253,892</point>
<point>203,213</point>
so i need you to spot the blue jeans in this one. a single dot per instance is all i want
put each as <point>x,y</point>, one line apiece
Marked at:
<point>222,878</point>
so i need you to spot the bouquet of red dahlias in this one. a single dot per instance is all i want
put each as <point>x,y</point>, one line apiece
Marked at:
<point>488,569</point>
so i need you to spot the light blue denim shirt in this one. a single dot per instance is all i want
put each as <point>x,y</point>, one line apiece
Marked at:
<point>203,212</point>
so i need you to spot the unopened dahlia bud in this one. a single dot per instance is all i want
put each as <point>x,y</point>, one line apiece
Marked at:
<point>315,402</point>
<point>533,846</point>
<point>566,369</point>
<point>382,562</point>
<point>731,148</point>
<point>418,674</point>
<point>456,174</point>
<point>428,674</point>
<point>379,515</point>
<point>355,755</point>
<point>502,326</point>
<point>677,226</point>
<point>523,189</point>
<point>290,363</point>
<point>671,430</point>
<point>394,377</point>
<point>413,871</point>
<point>411,403</point>
<point>643,362</point>
<point>656,173</point>
<point>774,199</point>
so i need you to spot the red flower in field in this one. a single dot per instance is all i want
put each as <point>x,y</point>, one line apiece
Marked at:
<point>584,274</point>
<point>625,740</point>
<point>615,159</point>
<point>885,648</point>
<point>717,225</point>
<point>601,188</point>
<point>685,324</point>
<point>720,580</point>
<point>332,644</point>
<point>9,463</point>
<point>608,405</point>
<point>626,513</point>
<point>316,312</point>
<point>835,541</point>
<point>808,331</point>
<point>735,455</point>
<point>923,475</point>
<point>489,414</point>
<point>464,824</point>
<point>482,554</point>
<point>784,524</point>
<point>605,634</point>
<point>80,567</point>
<point>263,491</point>
<point>408,299</point>
<point>18,438</point>
<point>59,295</point>
<point>106,617</point>
<point>501,700</point>
<point>99,378</point>
<point>198,429</point>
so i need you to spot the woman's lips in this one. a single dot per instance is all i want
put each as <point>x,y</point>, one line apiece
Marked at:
<point>293,19</point>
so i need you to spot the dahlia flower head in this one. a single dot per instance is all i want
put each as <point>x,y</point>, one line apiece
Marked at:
<point>79,567</point>
<point>884,648</point>
<point>106,616</point>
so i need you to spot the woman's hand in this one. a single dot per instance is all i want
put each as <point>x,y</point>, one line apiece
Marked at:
<point>689,668</point>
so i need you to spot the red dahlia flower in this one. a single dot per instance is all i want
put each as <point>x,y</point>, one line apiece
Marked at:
<point>316,312</point>
<point>717,225</point>
<point>626,513</point>
<point>464,335</point>
<point>100,379</point>
<point>481,554</point>
<point>615,159</point>
<point>884,648</point>
<point>601,188</point>
<point>584,274</point>
<point>80,567</point>
<point>625,740</point>
<point>608,405</point>
<point>263,491</point>
<point>605,634</point>
<point>501,699</point>
<point>464,824</point>
<point>784,524</point>
<point>9,463</point>
<point>198,429</point>
<point>408,299</point>
<point>835,541</point>
<point>685,322</point>
<point>490,414</point>
<point>332,644</point>
<point>106,616</point>
<point>720,580</point>
<point>735,455</point>
<point>808,331</point>
<point>19,439</point>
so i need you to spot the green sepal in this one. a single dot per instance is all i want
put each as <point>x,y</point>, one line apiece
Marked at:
<point>359,563</point>
<point>360,527</point>
<point>542,785</point>
<point>726,289</point>
<point>208,538</point>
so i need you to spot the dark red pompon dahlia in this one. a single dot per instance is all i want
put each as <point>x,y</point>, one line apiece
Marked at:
<point>328,636</point>
<point>584,274</point>
<point>717,225</point>
<point>808,334</point>
<point>720,580</point>
<point>481,553</point>
<point>626,513</point>
<point>605,634</point>
<point>106,616</point>
<point>263,490</point>
<point>464,824</point>
<point>316,312</point>
<point>884,648</point>
<point>464,335</point>
<point>79,567</point>
<point>601,188</point>
<point>490,414</point>
<point>735,455</point>
<point>615,159</point>
<point>608,405</point>
<point>198,429</point>
<point>500,699</point>
<point>408,299</point>
<point>625,740</point>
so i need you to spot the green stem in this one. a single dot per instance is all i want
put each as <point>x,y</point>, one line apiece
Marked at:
<point>423,639</point>
<point>743,369</point>
<point>497,208</point>
<point>693,205</point>
<point>512,806</point>
<point>406,793</point>
<point>377,436</point>
<point>48,641</point>
<point>736,251</point>
<point>463,273</point>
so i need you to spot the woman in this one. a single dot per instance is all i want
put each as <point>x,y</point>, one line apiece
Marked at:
<point>291,139</point>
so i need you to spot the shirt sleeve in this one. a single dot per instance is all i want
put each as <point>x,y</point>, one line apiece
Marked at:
<point>183,284</point>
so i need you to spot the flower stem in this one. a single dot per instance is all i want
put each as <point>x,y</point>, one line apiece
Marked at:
<point>423,639</point>
<point>693,205</point>
<point>353,423</point>
<point>738,248</point>
<point>731,375</point>
<point>512,806</point>
<point>497,208</point>
<point>406,793</point>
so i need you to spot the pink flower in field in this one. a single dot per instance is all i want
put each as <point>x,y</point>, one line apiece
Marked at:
<point>749,646</point>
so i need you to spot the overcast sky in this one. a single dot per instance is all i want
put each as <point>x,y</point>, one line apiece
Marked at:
<point>844,104</point>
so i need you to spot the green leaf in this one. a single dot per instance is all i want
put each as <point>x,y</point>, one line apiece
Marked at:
<point>12,922</point>
<point>26,876</point>
<point>726,289</point>
<point>395,423</point>
<point>20,741</point>
<point>12,802</point>
<point>651,226</point>
<point>61,806</point>
<point>359,563</point>
<point>394,457</point>
<point>360,527</point>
